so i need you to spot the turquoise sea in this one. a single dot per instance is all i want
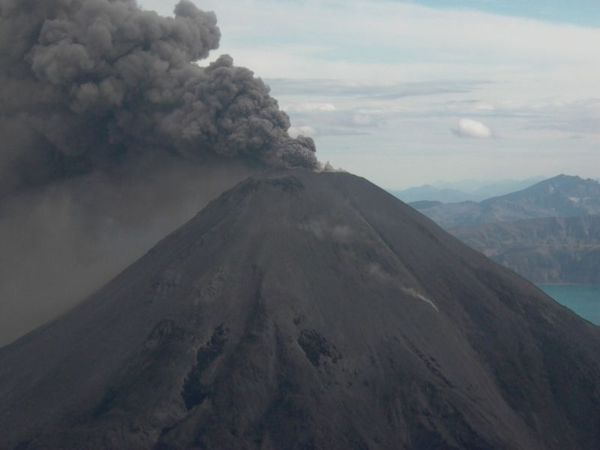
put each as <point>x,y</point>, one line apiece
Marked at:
<point>584,300</point>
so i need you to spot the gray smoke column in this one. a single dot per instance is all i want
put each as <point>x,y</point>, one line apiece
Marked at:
<point>90,84</point>
<point>112,136</point>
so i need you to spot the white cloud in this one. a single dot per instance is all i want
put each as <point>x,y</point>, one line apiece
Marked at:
<point>304,130</point>
<point>310,107</point>
<point>362,120</point>
<point>469,128</point>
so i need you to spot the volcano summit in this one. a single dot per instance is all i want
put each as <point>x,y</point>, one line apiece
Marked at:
<point>306,310</point>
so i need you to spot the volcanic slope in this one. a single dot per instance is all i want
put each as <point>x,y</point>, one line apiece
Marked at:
<point>307,311</point>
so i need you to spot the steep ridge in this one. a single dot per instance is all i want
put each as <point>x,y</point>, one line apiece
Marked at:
<point>303,310</point>
<point>561,196</point>
<point>551,250</point>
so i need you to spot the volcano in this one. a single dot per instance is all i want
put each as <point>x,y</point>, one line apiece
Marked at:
<point>306,310</point>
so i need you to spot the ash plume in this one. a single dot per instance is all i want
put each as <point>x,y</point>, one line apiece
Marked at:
<point>112,135</point>
<point>87,84</point>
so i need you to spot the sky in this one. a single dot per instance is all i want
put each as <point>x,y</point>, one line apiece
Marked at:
<point>408,93</point>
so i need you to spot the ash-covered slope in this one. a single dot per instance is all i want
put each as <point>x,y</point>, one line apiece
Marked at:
<point>305,310</point>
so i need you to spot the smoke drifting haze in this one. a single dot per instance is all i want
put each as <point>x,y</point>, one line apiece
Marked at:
<point>112,136</point>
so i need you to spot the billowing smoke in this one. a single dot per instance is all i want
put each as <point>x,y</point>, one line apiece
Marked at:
<point>86,84</point>
<point>111,136</point>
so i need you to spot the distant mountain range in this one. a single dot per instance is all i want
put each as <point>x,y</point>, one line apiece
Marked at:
<point>549,232</point>
<point>462,191</point>
<point>551,250</point>
<point>561,196</point>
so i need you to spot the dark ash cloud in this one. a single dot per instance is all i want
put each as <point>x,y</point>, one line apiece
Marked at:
<point>111,136</point>
<point>87,84</point>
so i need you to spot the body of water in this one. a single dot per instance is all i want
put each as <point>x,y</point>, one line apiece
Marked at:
<point>584,300</point>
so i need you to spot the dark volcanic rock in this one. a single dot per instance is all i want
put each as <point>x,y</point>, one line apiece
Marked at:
<point>307,311</point>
